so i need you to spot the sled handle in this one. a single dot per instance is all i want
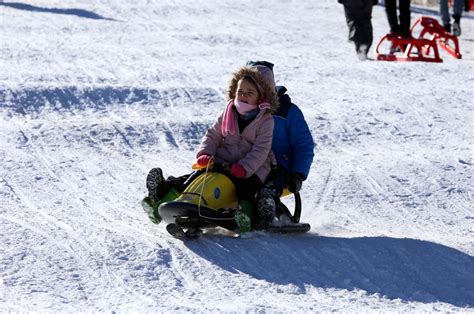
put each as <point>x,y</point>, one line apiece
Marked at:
<point>297,214</point>
<point>197,166</point>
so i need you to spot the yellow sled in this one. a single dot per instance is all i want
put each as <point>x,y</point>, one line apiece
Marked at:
<point>210,201</point>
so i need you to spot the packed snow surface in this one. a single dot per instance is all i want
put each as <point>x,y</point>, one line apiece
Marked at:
<point>93,94</point>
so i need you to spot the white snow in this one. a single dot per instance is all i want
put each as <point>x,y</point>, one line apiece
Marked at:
<point>93,94</point>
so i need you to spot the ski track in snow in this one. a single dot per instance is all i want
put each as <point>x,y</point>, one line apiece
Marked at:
<point>94,95</point>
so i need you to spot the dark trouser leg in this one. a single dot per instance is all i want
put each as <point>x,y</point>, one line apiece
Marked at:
<point>246,190</point>
<point>458,7</point>
<point>391,11</point>
<point>182,182</point>
<point>158,187</point>
<point>404,8</point>
<point>358,19</point>
<point>444,11</point>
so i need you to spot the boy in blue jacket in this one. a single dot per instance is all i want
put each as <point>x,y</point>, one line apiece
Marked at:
<point>293,147</point>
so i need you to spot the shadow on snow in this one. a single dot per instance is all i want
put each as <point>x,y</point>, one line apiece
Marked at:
<point>406,269</point>
<point>34,100</point>
<point>168,128</point>
<point>76,12</point>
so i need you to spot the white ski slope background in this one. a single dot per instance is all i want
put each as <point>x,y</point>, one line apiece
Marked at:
<point>93,94</point>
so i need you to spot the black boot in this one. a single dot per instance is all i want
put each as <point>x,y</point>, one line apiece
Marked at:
<point>155,184</point>
<point>266,209</point>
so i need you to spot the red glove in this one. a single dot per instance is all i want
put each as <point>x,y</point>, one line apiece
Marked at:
<point>237,170</point>
<point>203,160</point>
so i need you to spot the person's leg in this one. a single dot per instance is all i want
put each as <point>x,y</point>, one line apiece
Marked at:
<point>161,190</point>
<point>358,18</point>
<point>444,11</point>
<point>457,13</point>
<point>268,199</point>
<point>405,20</point>
<point>246,190</point>
<point>391,11</point>
<point>158,187</point>
<point>182,182</point>
<point>350,21</point>
<point>366,24</point>
<point>458,7</point>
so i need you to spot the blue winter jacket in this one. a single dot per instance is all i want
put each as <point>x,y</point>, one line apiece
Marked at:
<point>293,143</point>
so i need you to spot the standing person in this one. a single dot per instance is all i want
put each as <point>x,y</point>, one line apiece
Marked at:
<point>293,147</point>
<point>458,6</point>
<point>398,25</point>
<point>359,21</point>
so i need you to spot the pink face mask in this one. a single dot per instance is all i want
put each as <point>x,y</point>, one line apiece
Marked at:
<point>243,107</point>
<point>228,123</point>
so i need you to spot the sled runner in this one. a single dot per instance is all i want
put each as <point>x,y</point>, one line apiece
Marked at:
<point>210,201</point>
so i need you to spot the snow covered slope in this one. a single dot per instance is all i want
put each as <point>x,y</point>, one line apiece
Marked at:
<point>95,93</point>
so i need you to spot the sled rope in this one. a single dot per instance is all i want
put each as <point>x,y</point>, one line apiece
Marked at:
<point>202,186</point>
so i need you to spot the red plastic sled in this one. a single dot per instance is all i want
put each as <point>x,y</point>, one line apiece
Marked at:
<point>408,49</point>
<point>433,30</point>
<point>424,48</point>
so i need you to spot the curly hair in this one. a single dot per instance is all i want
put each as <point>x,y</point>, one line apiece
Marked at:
<point>269,93</point>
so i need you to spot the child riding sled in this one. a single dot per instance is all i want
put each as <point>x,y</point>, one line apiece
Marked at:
<point>241,137</point>
<point>292,145</point>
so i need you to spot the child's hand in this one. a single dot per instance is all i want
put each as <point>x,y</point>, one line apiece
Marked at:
<point>294,182</point>
<point>203,160</point>
<point>237,170</point>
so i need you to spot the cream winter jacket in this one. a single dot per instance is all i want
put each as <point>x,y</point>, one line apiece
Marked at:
<point>251,148</point>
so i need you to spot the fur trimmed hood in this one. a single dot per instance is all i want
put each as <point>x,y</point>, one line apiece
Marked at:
<point>265,83</point>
